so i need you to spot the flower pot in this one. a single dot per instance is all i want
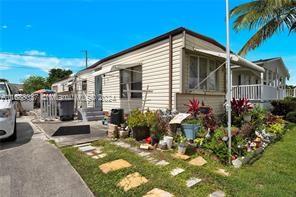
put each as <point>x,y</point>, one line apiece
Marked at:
<point>140,133</point>
<point>169,141</point>
<point>182,149</point>
<point>190,130</point>
<point>247,118</point>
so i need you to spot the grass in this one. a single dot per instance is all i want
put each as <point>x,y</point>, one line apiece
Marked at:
<point>273,175</point>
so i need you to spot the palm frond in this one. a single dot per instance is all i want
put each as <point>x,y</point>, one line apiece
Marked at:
<point>261,35</point>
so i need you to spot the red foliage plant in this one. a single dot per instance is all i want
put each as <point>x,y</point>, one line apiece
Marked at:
<point>209,120</point>
<point>193,107</point>
<point>241,106</point>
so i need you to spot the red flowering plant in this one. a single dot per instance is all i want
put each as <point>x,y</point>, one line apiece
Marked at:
<point>241,106</point>
<point>193,107</point>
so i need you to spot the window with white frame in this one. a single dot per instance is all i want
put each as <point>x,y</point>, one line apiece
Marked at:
<point>199,70</point>
<point>133,77</point>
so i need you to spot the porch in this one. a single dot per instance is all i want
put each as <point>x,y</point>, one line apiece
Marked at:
<point>261,92</point>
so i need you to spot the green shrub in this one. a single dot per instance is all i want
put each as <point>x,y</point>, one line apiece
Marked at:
<point>291,116</point>
<point>277,128</point>
<point>136,119</point>
<point>258,116</point>
<point>283,107</point>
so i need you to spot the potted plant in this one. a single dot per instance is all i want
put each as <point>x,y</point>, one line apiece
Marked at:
<point>138,124</point>
<point>242,107</point>
<point>182,144</point>
<point>191,126</point>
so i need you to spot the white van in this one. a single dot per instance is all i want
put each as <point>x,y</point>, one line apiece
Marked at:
<point>7,113</point>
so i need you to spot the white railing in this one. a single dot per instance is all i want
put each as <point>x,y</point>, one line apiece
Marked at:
<point>261,92</point>
<point>291,92</point>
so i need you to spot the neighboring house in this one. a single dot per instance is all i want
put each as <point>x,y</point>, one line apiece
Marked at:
<point>173,67</point>
<point>266,86</point>
<point>64,85</point>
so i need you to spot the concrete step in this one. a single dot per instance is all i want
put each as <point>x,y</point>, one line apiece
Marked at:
<point>94,118</point>
<point>94,113</point>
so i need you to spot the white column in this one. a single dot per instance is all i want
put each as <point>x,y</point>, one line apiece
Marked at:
<point>262,86</point>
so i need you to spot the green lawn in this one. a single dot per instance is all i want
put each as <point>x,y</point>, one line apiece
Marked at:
<point>273,175</point>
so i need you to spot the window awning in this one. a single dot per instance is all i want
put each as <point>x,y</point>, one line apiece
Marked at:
<point>235,59</point>
<point>114,68</point>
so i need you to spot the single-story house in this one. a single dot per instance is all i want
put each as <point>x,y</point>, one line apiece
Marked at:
<point>164,72</point>
<point>269,85</point>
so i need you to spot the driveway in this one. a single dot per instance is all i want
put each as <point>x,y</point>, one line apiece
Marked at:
<point>33,167</point>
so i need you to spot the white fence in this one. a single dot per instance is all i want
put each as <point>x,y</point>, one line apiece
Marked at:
<point>48,106</point>
<point>261,92</point>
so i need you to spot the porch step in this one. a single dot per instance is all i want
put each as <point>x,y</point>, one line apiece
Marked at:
<point>90,114</point>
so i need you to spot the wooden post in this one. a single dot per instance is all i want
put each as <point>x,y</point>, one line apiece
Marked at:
<point>145,98</point>
<point>128,97</point>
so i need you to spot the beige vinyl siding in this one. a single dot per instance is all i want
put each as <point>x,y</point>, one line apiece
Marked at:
<point>155,73</point>
<point>90,80</point>
<point>215,99</point>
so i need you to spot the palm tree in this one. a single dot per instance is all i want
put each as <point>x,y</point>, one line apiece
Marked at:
<point>265,16</point>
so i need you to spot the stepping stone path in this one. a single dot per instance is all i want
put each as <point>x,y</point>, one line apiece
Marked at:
<point>158,193</point>
<point>162,163</point>
<point>222,172</point>
<point>114,165</point>
<point>131,181</point>
<point>192,181</point>
<point>177,171</point>
<point>217,194</point>
<point>141,153</point>
<point>198,161</point>
<point>180,156</point>
<point>92,151</point>
<point>87,148</point>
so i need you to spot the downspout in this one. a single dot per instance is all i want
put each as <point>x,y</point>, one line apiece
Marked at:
<point>170,71</point>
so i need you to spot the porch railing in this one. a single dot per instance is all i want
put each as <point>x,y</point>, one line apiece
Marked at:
<point>261,92</point>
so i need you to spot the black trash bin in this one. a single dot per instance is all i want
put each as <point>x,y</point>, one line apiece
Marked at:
<point>66,109</point>
<point>117,116</point>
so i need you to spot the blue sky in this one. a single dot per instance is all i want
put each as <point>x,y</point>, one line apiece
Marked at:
<point>58,31</point>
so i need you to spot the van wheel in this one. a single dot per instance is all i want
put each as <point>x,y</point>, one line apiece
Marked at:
<point>13,136</point>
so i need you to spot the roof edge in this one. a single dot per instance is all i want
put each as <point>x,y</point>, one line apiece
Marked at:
<point>155,40</point>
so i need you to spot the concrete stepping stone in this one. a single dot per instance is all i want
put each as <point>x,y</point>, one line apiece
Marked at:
<point>144,154</point>
<point>95,157</point>
<point>131,181</point>
<point>162,163</point>
<point>98,150</point>
<point>198,161</point>
<point>90,153</point>
<point>86,148</point>
<point>192,181</point>
<point>81,145</point>
<point>102,155</point>
<point>217,194</point>
<point>114,165</point>
<point>177,171</point>
<point>122,144</point>
<point>158,193</point>
<point>180,156</point>
<point>222,172</point>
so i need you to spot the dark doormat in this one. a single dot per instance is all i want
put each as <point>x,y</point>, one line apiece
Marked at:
<point>72,130</point>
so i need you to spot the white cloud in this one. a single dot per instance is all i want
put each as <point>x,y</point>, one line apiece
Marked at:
<point>35,52</point>
<point>13,61</point>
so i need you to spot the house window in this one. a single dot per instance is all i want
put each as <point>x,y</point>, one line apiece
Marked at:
<point>133,77</point>
<point>199,70</point>
<point>84,85</point>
